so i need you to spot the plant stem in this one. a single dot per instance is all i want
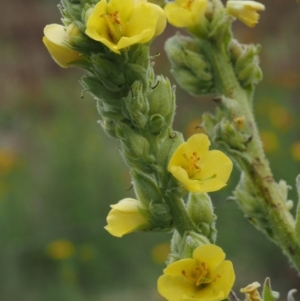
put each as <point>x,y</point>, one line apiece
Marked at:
<point>281,222</point>
<point>182,221</point>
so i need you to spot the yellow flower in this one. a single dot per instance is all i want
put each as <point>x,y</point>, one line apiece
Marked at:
<point>197,168</point>
<point>245,11</point>
<point>8,161</point>
<point>251,292</point>
<point>295,151</point>
<point>185,13</point>
<point>122,23</point>
<point>54,40</point>
<point>60,249</point>
<point>270,141</point>
<point>126,217</point>
<point>205,277</point>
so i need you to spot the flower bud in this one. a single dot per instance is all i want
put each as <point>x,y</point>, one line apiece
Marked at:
<point>55,41</point>
<point>245,11</point>
<point>247,65</point>
<point>135,148</point>
<point>190,69</point>
<point>200,208</point>
<point>201,212</point>
<point>145,188</point>
<point>126,216</point>
<point>161,100</point>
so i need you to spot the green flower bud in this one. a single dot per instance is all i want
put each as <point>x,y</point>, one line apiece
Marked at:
<point>161,99</point>
<point>135,149</point>
<point>201,212</point>
<point>157,124</point>
<point>200,208</point>
<point>74,34</point>
<point>183,246</point>
<point>145,188</point>
<point>161,216</point>
<point>231,135</point>
<point>189,67</point>
<point>246,63</point>
<point>220,27</point>
<point>135,105</point>
<point>109,127</point>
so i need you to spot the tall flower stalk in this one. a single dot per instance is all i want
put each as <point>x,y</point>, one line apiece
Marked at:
<point>110,40</point>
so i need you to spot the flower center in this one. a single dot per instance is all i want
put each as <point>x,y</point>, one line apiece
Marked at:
<point>115,26</point>
<point>192,164</point>
<point>200,276</point>
<point>188,4</point>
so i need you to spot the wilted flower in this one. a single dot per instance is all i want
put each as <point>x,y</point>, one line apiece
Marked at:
<point>251,292</point>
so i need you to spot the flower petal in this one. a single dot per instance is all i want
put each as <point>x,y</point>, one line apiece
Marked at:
<point>216,162</point>
<point>124,8</point>
<point>198,143</point>
<point>211,254</point>
<point>174,288</point>
<point>54,41</point>
<point>175,269</point>
<point>178,158</point>
<point>125,217</point>
<point>225,278</point>
<point>178,16</point>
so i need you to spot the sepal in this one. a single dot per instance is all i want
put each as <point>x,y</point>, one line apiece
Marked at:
<point>268,294</point>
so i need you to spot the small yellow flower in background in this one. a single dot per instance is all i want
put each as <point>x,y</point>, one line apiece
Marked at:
<point>126,217</point>
<point>295,151</point>
<point>122,23</point>
<point>270,141</point>
<point>245,11</point>
<point>185,13</point>
<point>280,117</point>
<point>197,168</point>
<point>251,292</point>
<point>205,277</point>
<point>60,249</point>
<point>8,161</point>
<point>160,252</point>
<point>194,127</point>
<point>54,40</point>
<point>86,253</point>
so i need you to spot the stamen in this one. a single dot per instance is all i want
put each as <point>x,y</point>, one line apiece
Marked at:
<point>115,25</point>
<point>192,279</point>
<point>188,4</point>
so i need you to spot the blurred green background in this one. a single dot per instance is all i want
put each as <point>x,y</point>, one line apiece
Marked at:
<point>59,172</point>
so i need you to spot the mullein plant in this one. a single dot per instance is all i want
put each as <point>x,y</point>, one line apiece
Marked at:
<point>172,177</point>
